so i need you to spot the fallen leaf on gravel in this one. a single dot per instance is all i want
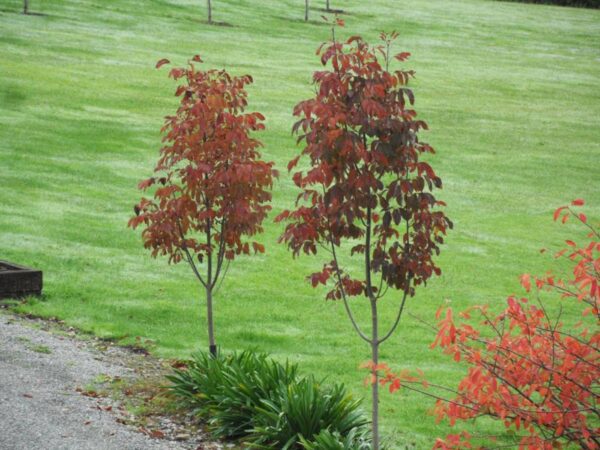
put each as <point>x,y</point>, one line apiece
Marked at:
<point>179,364</point>
<point>157,434</point>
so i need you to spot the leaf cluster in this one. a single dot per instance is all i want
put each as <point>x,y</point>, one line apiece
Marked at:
<point>525,367</point>
<point>211,188</point>
<point>367,181</point>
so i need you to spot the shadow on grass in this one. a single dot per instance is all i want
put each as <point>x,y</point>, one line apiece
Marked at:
<point>301,20</point>
<point>217,24</point>
<point>333,11</point>
<point>20,12</point>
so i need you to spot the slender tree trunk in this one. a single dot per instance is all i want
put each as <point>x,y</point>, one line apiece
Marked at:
<point>25,6</point>
<point>375,386</point>
<point>374,327</point>
<point>306,10</point>
<point>327,8</point>
<point>212,347</point>
<point>209,11</point>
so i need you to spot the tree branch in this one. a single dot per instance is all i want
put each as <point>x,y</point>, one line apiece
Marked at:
<point>188,256</point>
<point>220,254</point>
<point>346,305</point>
<point>398,317</point>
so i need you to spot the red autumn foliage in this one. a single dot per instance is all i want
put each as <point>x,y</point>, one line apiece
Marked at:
<point>527,368</point>
<point>367,185</point>
<point>212,190</point>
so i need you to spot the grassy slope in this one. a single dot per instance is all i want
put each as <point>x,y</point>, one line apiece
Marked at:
<point>510,91</point>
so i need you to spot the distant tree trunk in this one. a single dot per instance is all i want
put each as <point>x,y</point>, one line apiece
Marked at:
<point>25,6</point>
<point>209,11</point>
<point>327,6</point>
<point>306,10</point>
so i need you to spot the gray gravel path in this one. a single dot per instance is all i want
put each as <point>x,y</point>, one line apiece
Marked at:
<point>39,407</point>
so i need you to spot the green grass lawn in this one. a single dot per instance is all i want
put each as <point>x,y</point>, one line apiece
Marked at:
<point>510,92</point>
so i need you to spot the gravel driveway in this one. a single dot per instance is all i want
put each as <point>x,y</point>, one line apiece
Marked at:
<point>39,405</point>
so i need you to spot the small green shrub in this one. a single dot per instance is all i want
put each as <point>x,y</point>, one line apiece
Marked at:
<point>225,390</point>
<point>302,410</point>
<point>249,396</point>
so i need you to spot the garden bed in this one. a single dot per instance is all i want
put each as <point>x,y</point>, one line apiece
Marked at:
<point>18,281</point>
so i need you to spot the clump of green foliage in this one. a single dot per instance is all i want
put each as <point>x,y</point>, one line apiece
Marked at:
<point>266,404</point>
